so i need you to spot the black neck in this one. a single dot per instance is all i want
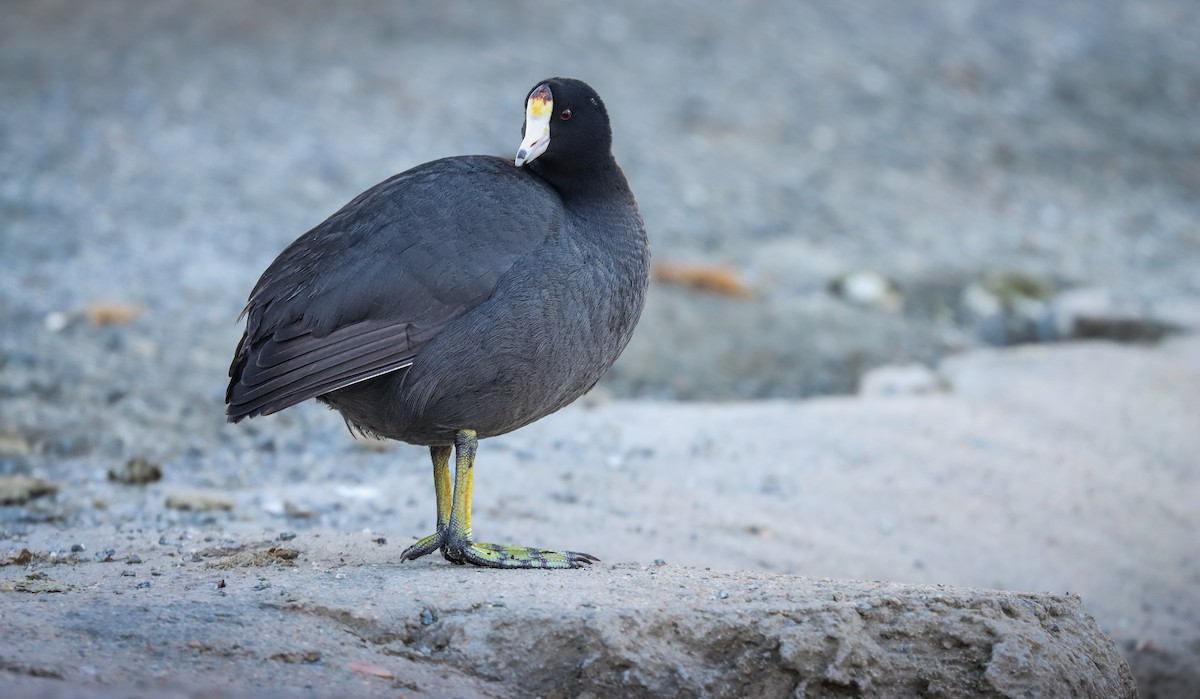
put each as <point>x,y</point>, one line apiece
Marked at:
<point>581,182</point>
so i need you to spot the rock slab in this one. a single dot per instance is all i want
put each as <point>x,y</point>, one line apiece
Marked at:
<point>372,628</point>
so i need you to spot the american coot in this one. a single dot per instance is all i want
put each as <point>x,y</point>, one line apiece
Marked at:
<point>459,300</point>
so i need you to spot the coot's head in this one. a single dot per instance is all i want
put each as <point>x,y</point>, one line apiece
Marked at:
<point>566,127</point>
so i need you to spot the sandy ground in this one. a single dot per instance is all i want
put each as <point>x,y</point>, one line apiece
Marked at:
<point>154,159</point>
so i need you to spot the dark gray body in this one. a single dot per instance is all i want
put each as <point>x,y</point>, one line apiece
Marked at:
<point>463,294</point>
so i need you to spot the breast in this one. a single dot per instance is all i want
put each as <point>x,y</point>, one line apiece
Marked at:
<point>557,322</point>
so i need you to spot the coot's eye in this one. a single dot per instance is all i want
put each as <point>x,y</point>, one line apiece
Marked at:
<point>566,114</point>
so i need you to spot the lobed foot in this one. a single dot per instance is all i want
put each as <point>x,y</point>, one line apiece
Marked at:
<point>502,556</point>
<point>453,535</point>
<point>495,555</point>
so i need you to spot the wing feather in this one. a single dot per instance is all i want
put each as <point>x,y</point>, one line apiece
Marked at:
<point>360,295</point>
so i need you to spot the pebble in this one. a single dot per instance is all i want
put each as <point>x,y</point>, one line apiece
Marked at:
<point>198,501</point>
<point>56,321</point>
<point>867,289</point>
<point>19,489</point>
<point>136,471</point>
<point>899,380</point>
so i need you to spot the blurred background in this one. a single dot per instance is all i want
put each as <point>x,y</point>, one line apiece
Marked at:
<point>828,187</point>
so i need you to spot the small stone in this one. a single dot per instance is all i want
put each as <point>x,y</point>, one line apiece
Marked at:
<point>133,559</point>
<point>198,501</point>
<point>899,380</point>
<point>869,289</point>
<point>12,444</point>
<point>296,657</point>
<point>77,548</point>
<point>1091,313</point>
<point>128,574</point>
<point>1009,309</point>
<point>291,509</point>
<point>145,584</point>
<point>427,617</point>
<point>17,490</point>
<point>56,321</point>
<point>137,471</point>
<point>286,536</point>
<point>105,556</point>
<point>284,554</point>
<point>723,594</point>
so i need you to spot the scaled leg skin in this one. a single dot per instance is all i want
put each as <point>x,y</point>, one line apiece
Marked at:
<point>454,535</point>
<point>441,485</point>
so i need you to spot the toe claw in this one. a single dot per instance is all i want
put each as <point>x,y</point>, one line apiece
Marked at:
<point>422,547</point>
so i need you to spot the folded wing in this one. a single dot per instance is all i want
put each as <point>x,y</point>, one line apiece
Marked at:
<point>360,295</point>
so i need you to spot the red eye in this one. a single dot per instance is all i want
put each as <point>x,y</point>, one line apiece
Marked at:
<point>566,114</point>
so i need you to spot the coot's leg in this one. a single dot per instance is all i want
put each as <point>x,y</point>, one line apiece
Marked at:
<point>441,486</point>
<point>457,545</point>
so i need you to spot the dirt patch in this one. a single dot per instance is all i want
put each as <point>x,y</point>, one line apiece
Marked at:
<point>257,559</point>
<point>34,585</point>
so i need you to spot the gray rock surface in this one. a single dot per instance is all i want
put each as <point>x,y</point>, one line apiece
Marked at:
<point>345,621</point>
<point>1068,468</point>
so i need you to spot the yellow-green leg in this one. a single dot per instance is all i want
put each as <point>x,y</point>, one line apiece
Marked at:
<point>441,486</point>
<point>453,536</point>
